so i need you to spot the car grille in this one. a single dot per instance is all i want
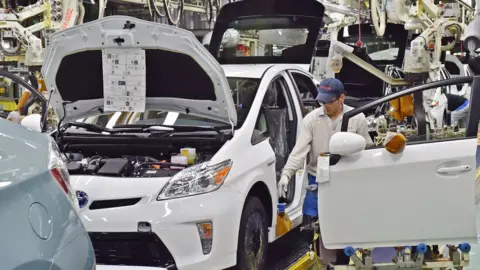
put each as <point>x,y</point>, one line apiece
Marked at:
<point>113,203</point>
<point>138,249</point>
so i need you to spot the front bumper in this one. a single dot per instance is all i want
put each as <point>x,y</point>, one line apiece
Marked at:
<point>174,237</point>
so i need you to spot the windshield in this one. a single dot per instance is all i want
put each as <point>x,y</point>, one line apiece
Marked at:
<point>243,91</point>
<point>384,55</point>
<point>257,38</point>
<point>378,48</point>
<point>259,43</point>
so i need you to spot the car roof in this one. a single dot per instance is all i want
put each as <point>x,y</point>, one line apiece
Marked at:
<point>256,71</point>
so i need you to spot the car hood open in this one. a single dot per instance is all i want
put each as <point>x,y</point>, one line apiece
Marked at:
<point>181,75</point>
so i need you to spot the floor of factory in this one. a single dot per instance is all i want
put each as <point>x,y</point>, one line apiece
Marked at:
<point>290,247</point>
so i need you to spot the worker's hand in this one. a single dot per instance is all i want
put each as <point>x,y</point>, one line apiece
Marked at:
<point>282,187</point>
<point>14,116</point>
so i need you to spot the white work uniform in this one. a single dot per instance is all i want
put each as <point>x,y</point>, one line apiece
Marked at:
<point>314,138</point>
<point>317,129</point>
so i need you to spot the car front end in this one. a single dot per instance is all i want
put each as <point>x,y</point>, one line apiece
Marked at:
<point>131,223</point>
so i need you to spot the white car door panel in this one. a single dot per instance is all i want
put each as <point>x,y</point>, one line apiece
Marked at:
<point>410,186</point>
<point>295,210</point>
<point>425,194</point>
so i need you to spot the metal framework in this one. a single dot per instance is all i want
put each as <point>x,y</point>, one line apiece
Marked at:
<point>57,15</point>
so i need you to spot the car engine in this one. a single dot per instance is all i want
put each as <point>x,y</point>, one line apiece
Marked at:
<point>126,166</point>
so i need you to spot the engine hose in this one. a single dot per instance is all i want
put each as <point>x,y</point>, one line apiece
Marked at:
<point>171,21</point>
<point>157,11</point>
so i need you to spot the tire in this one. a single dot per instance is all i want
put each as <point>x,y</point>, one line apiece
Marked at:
<point>253,236</point>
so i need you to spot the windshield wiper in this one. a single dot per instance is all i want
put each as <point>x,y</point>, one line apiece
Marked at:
<point>150,127</point>
<point>87,126</point>
<point>96,128</point>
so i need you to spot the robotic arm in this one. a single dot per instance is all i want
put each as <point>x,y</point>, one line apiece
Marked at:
<point>472,32</point>
<point>338,50</point>
<point>57,15</point>
<point>418,66</point>
<point>418,16</point>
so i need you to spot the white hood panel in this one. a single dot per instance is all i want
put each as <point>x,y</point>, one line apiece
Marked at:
<point>150,36</point>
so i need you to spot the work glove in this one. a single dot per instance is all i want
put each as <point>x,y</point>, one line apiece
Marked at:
<point>15,117</point>
<point>282,187</point>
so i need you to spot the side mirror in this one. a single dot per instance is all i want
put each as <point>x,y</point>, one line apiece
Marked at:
<point>346,143</point>
<point>395,142</point>
<point>32,122</point>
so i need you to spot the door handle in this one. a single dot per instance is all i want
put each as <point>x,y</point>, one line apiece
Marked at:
<point>271,162</point>
<point>461,168</point>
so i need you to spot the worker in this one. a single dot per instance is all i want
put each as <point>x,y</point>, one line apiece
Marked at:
<point>458,106</point>
<point>318,126</point>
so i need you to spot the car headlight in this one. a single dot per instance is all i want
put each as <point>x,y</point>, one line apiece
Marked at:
<point>196,180</point>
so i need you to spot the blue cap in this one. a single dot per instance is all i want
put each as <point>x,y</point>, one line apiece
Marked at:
<point>281,207</point>
<point>329,90</point>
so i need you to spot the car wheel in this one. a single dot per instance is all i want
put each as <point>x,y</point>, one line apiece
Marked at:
<point>253,236</point>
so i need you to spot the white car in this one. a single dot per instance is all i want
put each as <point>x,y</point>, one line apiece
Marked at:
<point>242,121</point>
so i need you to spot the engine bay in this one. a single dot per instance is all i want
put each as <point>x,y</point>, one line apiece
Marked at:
<point>126,166</point>
<point>134,157</point>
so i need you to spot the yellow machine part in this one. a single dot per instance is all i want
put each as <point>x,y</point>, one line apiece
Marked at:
<point>8,105</point>
<point>402,107</point>
<point>42,87</point>
<point>23,99</point>
<point>26,94</point>
<point>308,263</point>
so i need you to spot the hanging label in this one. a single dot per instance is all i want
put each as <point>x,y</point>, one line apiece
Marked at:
<point>124,80</point>
<point>323,169</point>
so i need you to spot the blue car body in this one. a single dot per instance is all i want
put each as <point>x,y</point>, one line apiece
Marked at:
<point>39,225</point>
